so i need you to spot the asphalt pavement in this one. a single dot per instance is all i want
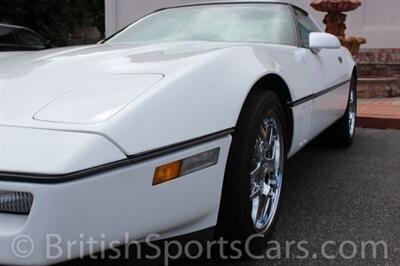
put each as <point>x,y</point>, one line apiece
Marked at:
<point>336,201</point>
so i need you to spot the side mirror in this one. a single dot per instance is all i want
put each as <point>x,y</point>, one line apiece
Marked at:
<point>322,40</point>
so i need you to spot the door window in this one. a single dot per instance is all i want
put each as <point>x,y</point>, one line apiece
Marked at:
<point>7,37</point>
<point>29,39</point>
<point>306,26</point>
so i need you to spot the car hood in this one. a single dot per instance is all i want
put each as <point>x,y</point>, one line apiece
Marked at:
<point>87,84</point>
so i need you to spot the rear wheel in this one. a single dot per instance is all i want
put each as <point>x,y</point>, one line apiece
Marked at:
<point>255,169</point>
<point>343,131</point>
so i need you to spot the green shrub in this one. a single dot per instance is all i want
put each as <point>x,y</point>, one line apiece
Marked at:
<point>56,20</point>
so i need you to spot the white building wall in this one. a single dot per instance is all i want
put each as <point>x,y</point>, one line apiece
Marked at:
<point>376,20</point>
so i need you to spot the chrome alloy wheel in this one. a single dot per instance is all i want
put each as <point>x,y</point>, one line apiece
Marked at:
<point>352,111</point>
<point>267,173</point>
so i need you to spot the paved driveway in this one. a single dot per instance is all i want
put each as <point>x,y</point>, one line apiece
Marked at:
<point>339,195</point>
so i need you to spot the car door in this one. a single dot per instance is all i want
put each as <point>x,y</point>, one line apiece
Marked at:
<point>327,75</point>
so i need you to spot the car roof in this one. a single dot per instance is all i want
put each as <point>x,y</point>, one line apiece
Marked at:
<point>12,26</point>
<point>205,2</point>
<point>211,2</point>
<point>235,2</point>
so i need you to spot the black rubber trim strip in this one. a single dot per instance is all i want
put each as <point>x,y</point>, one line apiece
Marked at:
<point>56,179</point>
<point>316,95</point>
<point>223,3</point>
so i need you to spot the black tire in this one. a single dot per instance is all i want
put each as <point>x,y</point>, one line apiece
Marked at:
<point>340,133</point>
<point>235,221</point>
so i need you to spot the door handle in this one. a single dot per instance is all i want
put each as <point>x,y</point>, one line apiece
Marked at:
<point>340,60</point>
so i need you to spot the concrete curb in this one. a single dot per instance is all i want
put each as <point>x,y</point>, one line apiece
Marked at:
<point>378,122</point>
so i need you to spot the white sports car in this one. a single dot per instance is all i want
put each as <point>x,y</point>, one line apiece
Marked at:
<point>181,122</point>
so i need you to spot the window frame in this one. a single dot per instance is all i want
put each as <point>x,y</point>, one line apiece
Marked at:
<point>297,22</point>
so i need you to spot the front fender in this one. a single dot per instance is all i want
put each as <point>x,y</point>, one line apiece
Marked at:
<point>205,98</point>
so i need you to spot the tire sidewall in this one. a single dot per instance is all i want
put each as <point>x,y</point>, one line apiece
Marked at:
<point>243,143</point>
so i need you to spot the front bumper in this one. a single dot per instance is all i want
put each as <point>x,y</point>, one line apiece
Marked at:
<point>109,206</point>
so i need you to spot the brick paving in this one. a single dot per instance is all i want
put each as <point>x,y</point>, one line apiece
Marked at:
<point>379,113</point>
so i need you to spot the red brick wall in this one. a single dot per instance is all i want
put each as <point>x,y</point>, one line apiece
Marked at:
<point>379,56</point>
<point>379,63</point>
<point>379,70</point>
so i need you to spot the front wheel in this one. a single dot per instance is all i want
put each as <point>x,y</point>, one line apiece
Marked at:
<point>255,170</point>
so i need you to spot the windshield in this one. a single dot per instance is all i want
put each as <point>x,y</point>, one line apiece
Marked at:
<point>267,23</point>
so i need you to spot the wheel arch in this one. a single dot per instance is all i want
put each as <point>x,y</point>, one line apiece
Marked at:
<point>276,84</point>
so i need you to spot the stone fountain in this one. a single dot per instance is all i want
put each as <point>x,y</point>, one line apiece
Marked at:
<point>335,21</point>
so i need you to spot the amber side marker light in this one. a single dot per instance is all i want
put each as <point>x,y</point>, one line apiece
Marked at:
<point>171,171</point>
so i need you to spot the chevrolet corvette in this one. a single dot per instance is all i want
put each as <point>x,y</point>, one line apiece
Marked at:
<point>181,122</point>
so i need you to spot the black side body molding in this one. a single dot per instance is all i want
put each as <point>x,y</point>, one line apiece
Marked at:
<point>316,95</point>
<point>56,179</point>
